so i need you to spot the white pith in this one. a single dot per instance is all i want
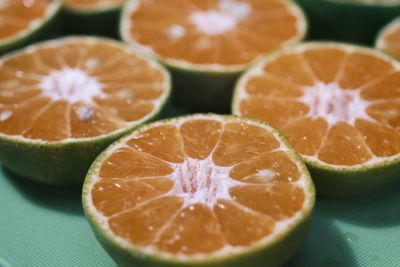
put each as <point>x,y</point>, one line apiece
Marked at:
<point>334,104</point>
<point>355,106</point>
<point>201,181</point>
<point>71,84</point>
<point>281,227</point>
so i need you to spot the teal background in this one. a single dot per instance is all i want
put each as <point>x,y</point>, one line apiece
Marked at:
<point>45,226</point>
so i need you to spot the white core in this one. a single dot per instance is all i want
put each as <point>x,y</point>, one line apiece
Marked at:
<point>176,31</point>
<point>335,104</point>
<point>223,19</point>
<point>5,115</point>
<point>200,181</point>
<point>72,85</point>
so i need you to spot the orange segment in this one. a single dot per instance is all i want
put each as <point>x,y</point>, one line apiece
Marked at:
<point>18,15</point>
<point>94,102</point>
<point>142,224</point>
<point>16,120</point>
<point>306,134</point>
<point>241,141</point>
<point>344,145</point>
<point>209,32</point>
<point>270,86</point>
<point>386,88</point>
<point>200,137</point>
<point>273,167</point>
<point>271,200</point>
<point>291,68</point>
<point>387,113</point>
<point>118,165</point>
<point>195,229</point>
<point>317,59</point>
<point>163,142</point>
<point>362,68</point>
<point>125,194</point>
<point>241,226</point>
<point>383,141</point>
<point>266,109</point>
<point>59,130</point>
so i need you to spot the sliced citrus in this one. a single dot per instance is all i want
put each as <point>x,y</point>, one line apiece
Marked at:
<point>63,101</point>
<point>207,43</point>
<point>339,106</point>
<point>205,189</point>
<point>360,20</point>
<point>93,16</point>
<point>22,22</point>
<point>389,39</point>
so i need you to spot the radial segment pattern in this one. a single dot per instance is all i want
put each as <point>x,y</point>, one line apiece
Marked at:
<point>77,88</point>
<point>337,104</point>
<point>199,185</point>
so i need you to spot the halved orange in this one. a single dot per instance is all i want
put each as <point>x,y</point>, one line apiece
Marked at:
<point>339,105</point>
<point>207,190</point>
<point>22,21</point>
<point>207,43</point>
<point>388,39</point>
<point>63,101</point>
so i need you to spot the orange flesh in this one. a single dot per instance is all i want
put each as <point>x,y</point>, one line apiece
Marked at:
<point>39,101</point>
<point>16,16</point>
<point>92,4</point>
<point>352,137</point>
<point>140,187</point>
<point>246,29</point>
<point>390,40</point>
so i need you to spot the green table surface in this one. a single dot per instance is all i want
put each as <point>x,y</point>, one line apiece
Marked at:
<point>45,226</point>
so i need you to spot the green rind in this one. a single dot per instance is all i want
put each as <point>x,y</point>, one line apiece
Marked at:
<point>101,22</point>
<point>204,88</point>
<point>344,183</point>
<point>339,182</point>
<point>49,28</point>
<point>352,22</point>
<point>271,254</point>
<point>65,162</point>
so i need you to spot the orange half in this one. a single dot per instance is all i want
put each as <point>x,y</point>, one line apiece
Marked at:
<point>211,34</point>
<point>78,88</point>
<point>339,105</point>
<point>20,17</point>
<point>198,188</point>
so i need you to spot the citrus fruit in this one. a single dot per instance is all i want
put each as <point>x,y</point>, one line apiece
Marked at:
<point>339,106</point>
<point>93,16</point>
<point>25,21</point>
<point>388,39</point>
<point>207,190</point>
<point>62,102</point>
<point>206,44</point>
<point>348,20</point>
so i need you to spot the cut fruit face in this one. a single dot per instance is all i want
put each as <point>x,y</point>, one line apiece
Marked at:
<point>198,187</point>
<point>93,5</point>
<point>77,88</point>
<point>19,17</point>
<point>339,105</point>
<point>389,39</point>
<point>205,34</point>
